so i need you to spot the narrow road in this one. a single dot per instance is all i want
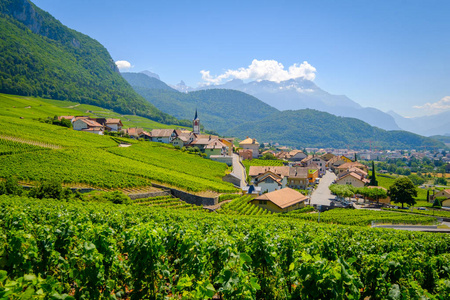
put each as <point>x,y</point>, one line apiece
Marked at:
<point>322,195</point>
<point>239,170</point>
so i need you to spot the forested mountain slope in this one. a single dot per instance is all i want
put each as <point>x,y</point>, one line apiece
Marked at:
<point>41,57</point>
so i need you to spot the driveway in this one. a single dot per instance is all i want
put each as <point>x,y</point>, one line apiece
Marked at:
<point>239,170</point>
<point>322,195</point>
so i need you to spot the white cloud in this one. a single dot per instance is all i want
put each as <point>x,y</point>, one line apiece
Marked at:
<point>436,107</point>
<point>263,70</point>
<point>123,65</point>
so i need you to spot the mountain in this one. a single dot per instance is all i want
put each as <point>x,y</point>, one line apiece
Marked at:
<point>438,124</point>
<point>312,128</point>
<point>234,113</point>
<point>146,81</point>
<point>151,74</point>
<point>42,57</point>
<point>182,87</point>
<point>300,93</point>
<point>218,109</point>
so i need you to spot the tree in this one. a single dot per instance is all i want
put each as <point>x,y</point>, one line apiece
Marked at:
<point>50,189</point>
<point>403,191</point>
<point>10,186</point>
<point>373,178</point>
<point>428,195</point>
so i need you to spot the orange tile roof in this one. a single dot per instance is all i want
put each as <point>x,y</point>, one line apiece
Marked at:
<point>283,198</point>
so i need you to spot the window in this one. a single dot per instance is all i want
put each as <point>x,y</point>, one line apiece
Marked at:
<point>263,202</point>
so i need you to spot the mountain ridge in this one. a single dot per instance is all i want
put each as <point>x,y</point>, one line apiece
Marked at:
<point>42,57</point>
<point>294,94</point>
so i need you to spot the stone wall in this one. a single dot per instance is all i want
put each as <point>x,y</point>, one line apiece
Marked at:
<point>191,198</point>
<point>231,178</point>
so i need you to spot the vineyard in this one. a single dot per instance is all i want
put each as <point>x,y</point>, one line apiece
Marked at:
<point>361,217</point>
<point>34,151</point>
<point>431,212</point>
<point>64,250</point>
<point>166,202</point>
<point>260,162</point>
<point>240,206</point>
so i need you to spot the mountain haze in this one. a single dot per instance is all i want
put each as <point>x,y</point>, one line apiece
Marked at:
<point>312,128</point>
<point>300,93</point>
<point>438,124</point>
<point>218,108</point>
<point>42,57</point>
<point>234,113</point>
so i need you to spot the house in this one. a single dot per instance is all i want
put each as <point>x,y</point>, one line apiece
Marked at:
<point>184,138</point>
<point>353,179</point>
<point>163,135</point>
<point>114,125</point>
<point>443,194</point>
<point>138,133</point>
<point>88,125</point>
<point>327,157</point>
<point>447,168</point>
<point>246,154</point>
<point>338,161</point>
<point>296,155</point>
<point>283,200</point>
<point>346,166</point>
<point>70,118</point>
<point>202,141</point>
<point>250,144</point>
<point>298,177</point>
<point>313,174</point>
<point>317,161</point>
<point>269,178</point>
<point>215,147</point>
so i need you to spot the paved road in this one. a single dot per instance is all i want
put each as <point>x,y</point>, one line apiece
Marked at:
<point>322,195</point>
<point>239,170</point>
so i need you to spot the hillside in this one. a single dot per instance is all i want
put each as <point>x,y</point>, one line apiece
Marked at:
<point>144,80</point>
<point>34,151</point>
<point>312,128</point>
<point>41,57</point>
<point>218,109</point>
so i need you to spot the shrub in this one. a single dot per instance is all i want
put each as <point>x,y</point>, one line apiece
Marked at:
<point>50,189</point>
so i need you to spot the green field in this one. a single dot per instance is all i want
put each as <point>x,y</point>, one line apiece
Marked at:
<point>387,180</point>
<point>35,151</point>
<point>85,250</point>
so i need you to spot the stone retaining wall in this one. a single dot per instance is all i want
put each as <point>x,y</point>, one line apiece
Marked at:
<point>190,198</point>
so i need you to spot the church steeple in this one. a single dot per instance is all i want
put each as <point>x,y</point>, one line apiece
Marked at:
<point>196,124</point>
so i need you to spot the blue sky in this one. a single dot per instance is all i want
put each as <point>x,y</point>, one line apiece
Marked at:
<point>392,55</point>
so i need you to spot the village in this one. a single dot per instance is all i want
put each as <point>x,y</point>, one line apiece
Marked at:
<point>277,188</point>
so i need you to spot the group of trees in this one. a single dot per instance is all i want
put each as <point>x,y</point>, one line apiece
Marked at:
<point>52,189</point>
<point>347,191</point>
<point>405,166</point>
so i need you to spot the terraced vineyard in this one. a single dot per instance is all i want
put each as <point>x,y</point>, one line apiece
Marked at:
<point>86,159</point>
<point>361,217</point>
<point>240,206</point>
<point>430,212</point>
<point>57,250</point>
<point>166,202</point>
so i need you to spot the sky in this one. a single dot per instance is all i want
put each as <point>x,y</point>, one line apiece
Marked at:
<point>391,55</point>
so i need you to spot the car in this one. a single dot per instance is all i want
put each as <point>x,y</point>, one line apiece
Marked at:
<point>422,208</point>
<point>404,207</point>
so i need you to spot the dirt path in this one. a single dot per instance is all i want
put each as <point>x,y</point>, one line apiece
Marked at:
<point>217,206</point>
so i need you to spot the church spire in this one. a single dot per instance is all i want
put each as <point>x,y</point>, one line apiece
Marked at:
<point>196,117</point>
<point>196,124</point>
